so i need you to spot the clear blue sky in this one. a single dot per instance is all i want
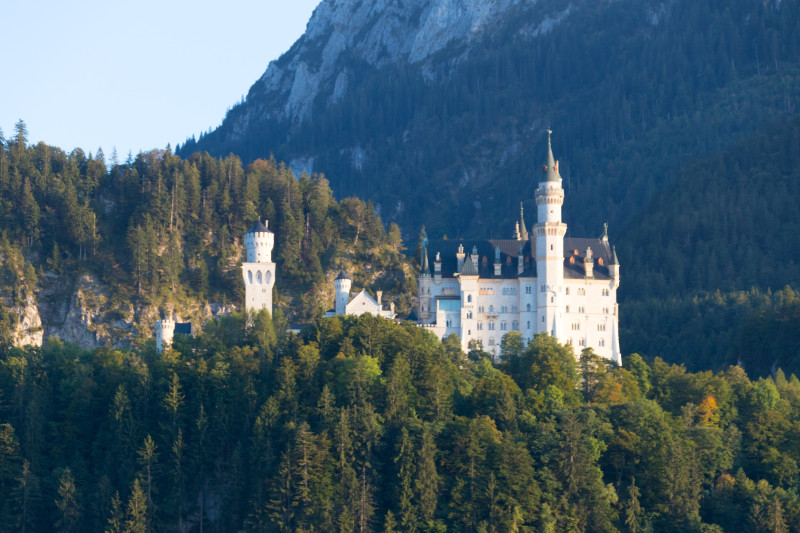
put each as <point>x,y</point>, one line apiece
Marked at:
<point>135,75</point>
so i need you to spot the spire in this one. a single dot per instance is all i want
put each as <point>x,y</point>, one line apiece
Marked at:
<point>523,230</point>
<point>426,269</point>
<point>614,260</point>
<point>551,169</point>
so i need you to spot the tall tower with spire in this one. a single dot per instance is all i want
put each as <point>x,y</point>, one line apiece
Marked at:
<point>259,270</point>
<point>549,231</point>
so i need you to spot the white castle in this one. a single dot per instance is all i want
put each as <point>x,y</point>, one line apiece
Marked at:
<point>542,283</point>
<point>362,303</point>
<point>259,270</point>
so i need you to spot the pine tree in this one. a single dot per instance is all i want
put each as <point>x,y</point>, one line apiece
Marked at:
<point>69,509</point>
<point>137,517</point>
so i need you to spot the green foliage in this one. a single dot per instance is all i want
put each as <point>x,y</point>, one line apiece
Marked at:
<point>160,231</point>
<point>365,423</point>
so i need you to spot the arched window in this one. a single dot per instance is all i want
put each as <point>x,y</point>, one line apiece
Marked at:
<point>250,277</point>
<point>469,297</point>
<point>529,307</point>
<point>258,277</point>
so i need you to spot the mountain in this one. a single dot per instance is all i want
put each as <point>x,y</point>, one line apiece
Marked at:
<point>436,109</point>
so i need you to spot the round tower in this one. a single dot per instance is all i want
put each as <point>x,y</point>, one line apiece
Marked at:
<point>165,331</point>
<point>258,271</point>
<point>549,231</point>
<point>342,284</point>
<point>259,242</point>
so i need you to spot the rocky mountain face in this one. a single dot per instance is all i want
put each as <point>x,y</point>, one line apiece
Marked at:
<point>436,109</point>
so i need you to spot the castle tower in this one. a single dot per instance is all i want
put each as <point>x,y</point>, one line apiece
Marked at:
<point>549,231</point>
<point>259,270</point>
<point>165,331</point>
<point>342,284</point>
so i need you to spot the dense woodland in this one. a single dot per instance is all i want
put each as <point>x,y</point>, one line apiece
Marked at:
<point>163,232</point>
<point>634,90</point>
<point>361,424</point>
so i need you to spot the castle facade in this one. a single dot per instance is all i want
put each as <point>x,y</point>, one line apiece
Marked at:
<point>542,282</point>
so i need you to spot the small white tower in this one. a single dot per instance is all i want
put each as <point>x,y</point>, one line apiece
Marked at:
<point>549,231</point>
<point>342,284</point>
<point>259,270</point>
<point>165,331</point>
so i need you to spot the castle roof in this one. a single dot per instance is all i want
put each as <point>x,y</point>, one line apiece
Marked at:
<point>510,257</point>
<point>183,327</point>
<point>343,275</point>
<point>258,227</point>
<point>551,168</point>
<point>469,268</point>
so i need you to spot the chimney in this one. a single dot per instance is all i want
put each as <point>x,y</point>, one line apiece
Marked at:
<point>379,294</point>
<point>588,263</point>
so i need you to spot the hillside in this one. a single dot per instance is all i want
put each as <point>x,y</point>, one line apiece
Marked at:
<point>391,99</point>
<point>94,252</point>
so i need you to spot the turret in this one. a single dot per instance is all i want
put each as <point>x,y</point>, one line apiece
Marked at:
<point>342,284</point>
<point>165,331</point>
<point>523,230</point>
<point>549,231</point>
<point>613,267</point>
<point>258,271</point>
<point>437,267</point>
<point>259,242</point>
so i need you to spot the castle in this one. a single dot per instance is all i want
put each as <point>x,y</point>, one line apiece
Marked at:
<point>538,283</point>
<point>542,282</point>
<point>362,303</point>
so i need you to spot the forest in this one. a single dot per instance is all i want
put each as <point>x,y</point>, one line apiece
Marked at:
<point>363,424</point>
<point>159,233</point>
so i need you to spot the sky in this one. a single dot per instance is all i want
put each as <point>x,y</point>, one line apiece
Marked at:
<point>135,75</point>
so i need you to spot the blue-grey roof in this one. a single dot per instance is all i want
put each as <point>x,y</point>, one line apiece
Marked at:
<point>183,327</point>
<point>258,227</point>
<point>343,275</point>
<point>509,257</point>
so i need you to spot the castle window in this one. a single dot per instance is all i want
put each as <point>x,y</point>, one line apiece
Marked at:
<point>503,325</point>
<point>567,309</point>
<point>469,314</point>
<point>582,342</point>
<point>601,343</point>
<point>491,326</point>
<point>581,292</point>
<point>601,327</point>
<point>529,324</point>
<point>543,320</point>
<point>480,309</point>
<point>250,276</point>
<point>479,326</point>
<point>491,342</point>
<point>551,246</point>
<point>469,297</point>
<point>528,289</point>
<point>569,342</point>
<point>567,293</point>
<point>528,307</point>
<point>581,309</point>
<point>491,309</point>
<point>258,277</point>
